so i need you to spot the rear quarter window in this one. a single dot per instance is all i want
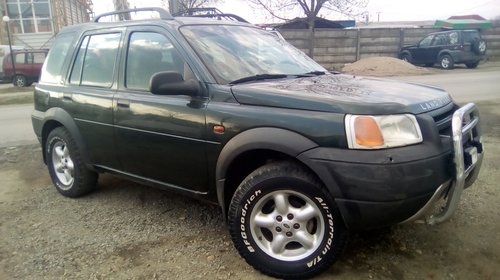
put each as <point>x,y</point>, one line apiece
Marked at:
<point>53,66</point>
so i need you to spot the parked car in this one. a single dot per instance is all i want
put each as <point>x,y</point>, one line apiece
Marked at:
<point>5,50</point>
<point>28,65</point>
<point>447,48</point>
<point>295,156</point>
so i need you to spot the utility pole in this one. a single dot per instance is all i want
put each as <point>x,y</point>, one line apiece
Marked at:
<point>378,16</point>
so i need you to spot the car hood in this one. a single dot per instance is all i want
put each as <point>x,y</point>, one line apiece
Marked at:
<point>342,94</point>
<point>408,47</point>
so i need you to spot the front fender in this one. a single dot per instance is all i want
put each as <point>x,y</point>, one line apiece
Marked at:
<point>268,138</point>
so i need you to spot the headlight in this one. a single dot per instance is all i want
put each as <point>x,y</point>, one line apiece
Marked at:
<point>378,132</point>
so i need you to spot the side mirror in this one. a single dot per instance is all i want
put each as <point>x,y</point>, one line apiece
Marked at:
<point>172,83</point>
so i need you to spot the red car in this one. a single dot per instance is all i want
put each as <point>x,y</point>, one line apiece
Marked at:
<point>28,64</point>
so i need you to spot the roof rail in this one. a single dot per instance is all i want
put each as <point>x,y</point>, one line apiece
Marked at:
<point>209,13</point>
<point>163,13</point>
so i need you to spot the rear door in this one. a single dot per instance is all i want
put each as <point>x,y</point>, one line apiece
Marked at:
<point>160,138</point>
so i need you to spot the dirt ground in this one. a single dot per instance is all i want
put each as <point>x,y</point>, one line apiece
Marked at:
<point>129,231</point>
<point>383,67</point>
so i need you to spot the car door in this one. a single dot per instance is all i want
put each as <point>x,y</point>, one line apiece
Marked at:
<point>89,90</point>
<point>421,54</point>
<point>159,137</point>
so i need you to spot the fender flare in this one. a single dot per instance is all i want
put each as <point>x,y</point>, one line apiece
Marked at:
<point>64,118</point>
<point>276,139</point>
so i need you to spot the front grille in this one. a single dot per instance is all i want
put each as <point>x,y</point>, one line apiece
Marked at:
<point>442,117</point>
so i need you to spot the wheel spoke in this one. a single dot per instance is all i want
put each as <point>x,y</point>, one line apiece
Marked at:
<point>58,167</point>
<point>68,175</point>
<point>263,220</point>
<point>59,151</point>
<point>278,244</point>
<point>305,239</point>
<point>66,151</point>
<point>306,213</point>
<point>70,165</point>
<point>281,202</point>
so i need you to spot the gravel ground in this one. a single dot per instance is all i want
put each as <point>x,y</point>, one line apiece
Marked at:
<point>128,231</point>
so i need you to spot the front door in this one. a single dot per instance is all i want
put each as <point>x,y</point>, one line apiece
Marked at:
<point>160,138</point>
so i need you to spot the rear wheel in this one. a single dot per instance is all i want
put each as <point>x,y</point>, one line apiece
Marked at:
<point>284,223</point>
<point>19,81</point>
<point>472,65</point>
<point>66,167</point>
<point>446,62</point>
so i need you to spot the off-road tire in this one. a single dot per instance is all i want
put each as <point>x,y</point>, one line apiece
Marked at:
<point>472,65</point>
<point>446,62</point>
<point>66,167</point>
<point>297,189</point>
<point>406,57</point>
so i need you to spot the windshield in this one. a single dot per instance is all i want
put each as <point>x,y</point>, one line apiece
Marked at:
<point>235,52</point>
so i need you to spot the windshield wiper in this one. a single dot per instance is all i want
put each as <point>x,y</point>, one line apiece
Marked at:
<point>314,73</point>
<point>258,77</point>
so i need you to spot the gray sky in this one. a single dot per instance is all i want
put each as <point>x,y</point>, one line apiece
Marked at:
<point>389,10</point>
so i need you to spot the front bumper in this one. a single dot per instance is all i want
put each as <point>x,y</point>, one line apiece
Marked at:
<point>385,187</point>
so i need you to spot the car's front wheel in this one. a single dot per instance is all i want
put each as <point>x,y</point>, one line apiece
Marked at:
<point>406,57</point>
<point>284,223</point>
<point>446,62</point>
<point>66,167</point>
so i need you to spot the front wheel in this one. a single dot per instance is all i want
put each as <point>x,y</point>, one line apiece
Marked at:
<point>284,223</point>
<point>66,167</point>
<point>446,62</point>
<point>406,57</point>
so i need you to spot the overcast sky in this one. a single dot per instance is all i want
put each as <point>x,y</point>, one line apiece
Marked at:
<point>388,10</point>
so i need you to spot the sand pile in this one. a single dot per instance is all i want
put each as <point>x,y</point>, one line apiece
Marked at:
<point>383,66</point>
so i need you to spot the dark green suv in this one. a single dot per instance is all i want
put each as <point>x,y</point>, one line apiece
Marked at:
<point>226,112</point>
<point>447,48</point>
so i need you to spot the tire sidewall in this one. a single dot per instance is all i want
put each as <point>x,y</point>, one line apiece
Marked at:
<point>321,257</point>
<point>54,138</point>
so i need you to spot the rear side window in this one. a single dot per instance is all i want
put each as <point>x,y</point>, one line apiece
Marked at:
<point>95,61</point>
<point>52,68</point>
<point>470,36</point>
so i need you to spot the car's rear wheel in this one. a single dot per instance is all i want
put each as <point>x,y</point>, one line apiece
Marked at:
<point>19,81</point>
<point>284,223</point>
<point>446,62</point>
<point>66,167</point>
<point>472,65</point>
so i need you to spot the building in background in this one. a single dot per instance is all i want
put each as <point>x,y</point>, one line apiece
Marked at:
<point>34,23</point>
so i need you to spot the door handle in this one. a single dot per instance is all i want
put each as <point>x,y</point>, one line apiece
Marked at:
<point>123,103</point>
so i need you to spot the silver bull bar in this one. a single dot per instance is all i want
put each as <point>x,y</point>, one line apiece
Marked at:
<point>467,162</point>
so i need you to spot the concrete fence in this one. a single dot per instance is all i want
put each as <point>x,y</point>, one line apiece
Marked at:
<point>333,48</point>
